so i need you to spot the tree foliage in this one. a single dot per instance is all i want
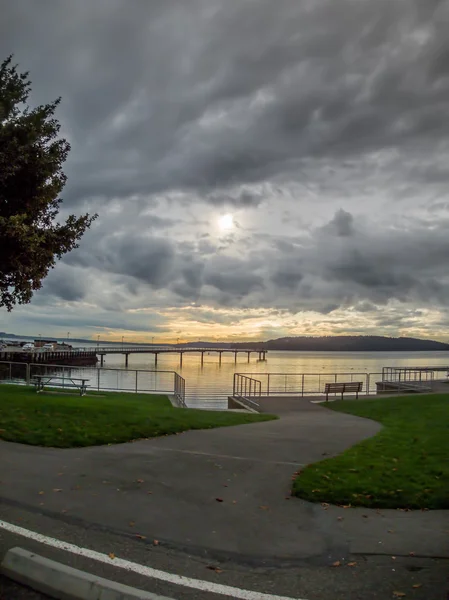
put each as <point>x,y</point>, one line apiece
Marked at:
<point>31,179</point>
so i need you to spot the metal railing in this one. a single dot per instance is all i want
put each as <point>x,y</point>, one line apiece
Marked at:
<point>180,390</point>
<point>101,379</point>
<point>247,389</point>
<point>313,384</point>
<point>410,374</point>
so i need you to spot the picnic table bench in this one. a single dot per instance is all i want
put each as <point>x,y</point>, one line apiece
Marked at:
<point>342,388</point>
<point>40,381</point>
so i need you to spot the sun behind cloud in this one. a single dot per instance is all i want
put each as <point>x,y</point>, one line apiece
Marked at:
<point>226,222</point>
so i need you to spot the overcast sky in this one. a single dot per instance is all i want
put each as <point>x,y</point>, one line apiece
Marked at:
<point>260,168</point>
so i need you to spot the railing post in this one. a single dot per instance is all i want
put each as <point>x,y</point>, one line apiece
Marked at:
<point>98,379</point>
<point>302,385</point>
<point>136,379</point>
<point>268,385</point>
<point>233,385</point>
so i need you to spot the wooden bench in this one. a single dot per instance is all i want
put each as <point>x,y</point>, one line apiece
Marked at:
<point>40,381</point>
<point>343,388</point>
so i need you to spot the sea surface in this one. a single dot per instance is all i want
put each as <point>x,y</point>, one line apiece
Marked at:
<point>210,384</point>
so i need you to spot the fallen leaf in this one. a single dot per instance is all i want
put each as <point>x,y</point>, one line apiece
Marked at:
<point>346,506</point>
<point>149,492</point>
<point>398,594</point>
<point>140,537</point>
<point>41,493</point>
<point>390,531</point>
<point>264,507</point>
<point>111,555</point>
<point>131,523</point>
<point>155,542</point>
<point>57,490</point>
<point>352,564</point>
<point>224,485</point>
<point>337,563</point>
<point>393,557</point>
<point>140,481</point>
<point>365,516</point>
<point>213,568</point>
<point>234,502</point>
<point>417,585</point>
<point>324,504</point>
<point>287,497</point>
<point>339,518</point>
<point>412,554</point>
<point>219,499</point>
<point>313,491</point>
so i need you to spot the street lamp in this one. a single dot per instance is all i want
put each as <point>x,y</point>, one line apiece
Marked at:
<point>152,341</point>
<point>98,339</point>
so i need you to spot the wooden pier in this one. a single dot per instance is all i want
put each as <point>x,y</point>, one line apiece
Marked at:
<point>89,356</point>
<point>127,350</point>
<point>83,357</point>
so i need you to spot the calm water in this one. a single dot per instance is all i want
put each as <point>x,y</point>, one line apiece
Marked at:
<point>210,384</point>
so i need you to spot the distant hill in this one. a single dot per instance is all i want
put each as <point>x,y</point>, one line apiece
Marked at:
<point>347,343</point>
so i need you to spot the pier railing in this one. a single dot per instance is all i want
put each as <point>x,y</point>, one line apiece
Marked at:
<point>106,379</point>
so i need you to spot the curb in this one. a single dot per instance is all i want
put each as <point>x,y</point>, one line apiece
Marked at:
<point>63,582</point>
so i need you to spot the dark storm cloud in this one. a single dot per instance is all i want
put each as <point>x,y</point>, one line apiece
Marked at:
<point>66,282</point>
<point>341,225</point>
<point>162,96</point>
<point>149,259</point>
<point>232,276</point>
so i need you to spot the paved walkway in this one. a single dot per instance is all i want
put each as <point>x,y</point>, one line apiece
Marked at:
<point>224,492</point>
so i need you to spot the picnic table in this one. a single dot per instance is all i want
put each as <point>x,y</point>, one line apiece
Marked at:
<point>40,381</point>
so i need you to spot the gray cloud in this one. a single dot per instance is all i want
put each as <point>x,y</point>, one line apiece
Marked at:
<point>322,128</point>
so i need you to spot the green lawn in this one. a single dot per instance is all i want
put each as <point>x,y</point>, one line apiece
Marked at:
<point>66,421</point>
<point>406,465</point>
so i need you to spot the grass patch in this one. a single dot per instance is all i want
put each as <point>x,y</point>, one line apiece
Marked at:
<point>406,465</point>
<point>64,421</point>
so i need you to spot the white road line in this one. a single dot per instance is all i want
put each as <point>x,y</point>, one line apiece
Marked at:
<point>198,584</point>
<point>269,462</point>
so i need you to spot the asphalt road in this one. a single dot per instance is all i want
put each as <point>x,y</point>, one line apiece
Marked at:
<point>9,590</point>
<point>118,500</point>
<point>370,578</point>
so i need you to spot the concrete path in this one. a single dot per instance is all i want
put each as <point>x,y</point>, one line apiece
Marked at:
<point>223,494</point>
